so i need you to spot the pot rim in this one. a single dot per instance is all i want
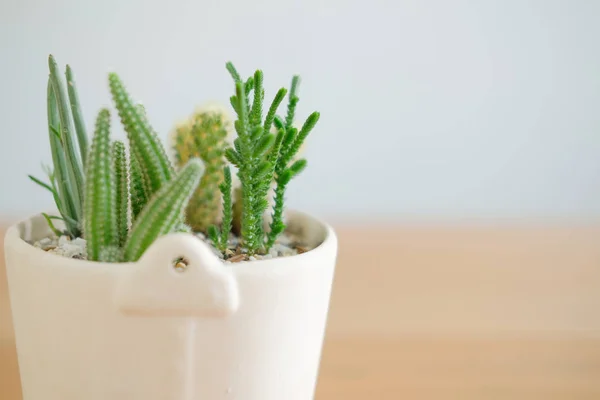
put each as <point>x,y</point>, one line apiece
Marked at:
<point>13,240</point>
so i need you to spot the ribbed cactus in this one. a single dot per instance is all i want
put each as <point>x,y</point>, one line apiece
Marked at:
<point>107,197</point>
<point>100,229</point>
<point>203,135</point>
<point>146,188</point>
<point>155,167</point>
<point>164,211</point>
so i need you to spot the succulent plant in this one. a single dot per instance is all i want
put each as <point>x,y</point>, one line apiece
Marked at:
<point>155,167</point>
<point>69,147</point>
<point>119,206</point>
<point>164,211</point>
<point>203,135</point>
<point>287,166</point>
<point>262,157</point>
<point>121,197</point>
<point>107,198</point>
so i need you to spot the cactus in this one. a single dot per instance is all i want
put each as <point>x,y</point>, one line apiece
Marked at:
<point>100,229</point>
<point>164,211</point>
<point>107,198</point>
<point>114,189</point>
<point>203,135</point>
<point>155,167</point>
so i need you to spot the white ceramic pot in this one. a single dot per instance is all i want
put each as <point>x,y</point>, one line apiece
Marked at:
<point>145,331</point>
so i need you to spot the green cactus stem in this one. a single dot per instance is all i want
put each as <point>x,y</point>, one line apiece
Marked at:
<point>67,136</point>
<point>155,167</point>
<point>163,213</point>
<point>100,226</point>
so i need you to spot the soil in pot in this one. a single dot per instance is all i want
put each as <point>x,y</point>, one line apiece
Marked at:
<point>288,244</point>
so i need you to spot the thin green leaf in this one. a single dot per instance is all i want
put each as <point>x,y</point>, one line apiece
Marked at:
<point>63,187</point>
<point>51,225</point>
<point>100,196</point>
<point>41,183</point>
<point>214,235</point>
<point>78,119</point>
<point>68,137</point>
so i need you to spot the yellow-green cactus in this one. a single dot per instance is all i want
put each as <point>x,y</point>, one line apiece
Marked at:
<point>203,135</point>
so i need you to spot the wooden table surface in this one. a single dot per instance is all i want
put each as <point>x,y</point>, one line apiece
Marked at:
<point>448,313</point>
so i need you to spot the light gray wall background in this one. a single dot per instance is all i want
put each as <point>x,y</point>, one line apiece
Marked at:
<point>431,110</point>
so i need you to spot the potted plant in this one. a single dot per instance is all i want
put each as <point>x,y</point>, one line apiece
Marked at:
<point>139,285</point>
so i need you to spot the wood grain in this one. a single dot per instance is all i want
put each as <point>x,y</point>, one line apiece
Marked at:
<point>508,312</point>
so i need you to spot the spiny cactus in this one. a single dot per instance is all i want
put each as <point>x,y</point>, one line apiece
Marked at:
<point>100,230</point>
<point>66,177</point>
<point>164,211</point>
<point>155,167</point>
<point>107,197</point>
<point>82,138</point>
<point>203,135</point>
<point>150,165</point>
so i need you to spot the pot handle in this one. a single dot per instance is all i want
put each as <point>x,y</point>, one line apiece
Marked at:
<point>157,286</point>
